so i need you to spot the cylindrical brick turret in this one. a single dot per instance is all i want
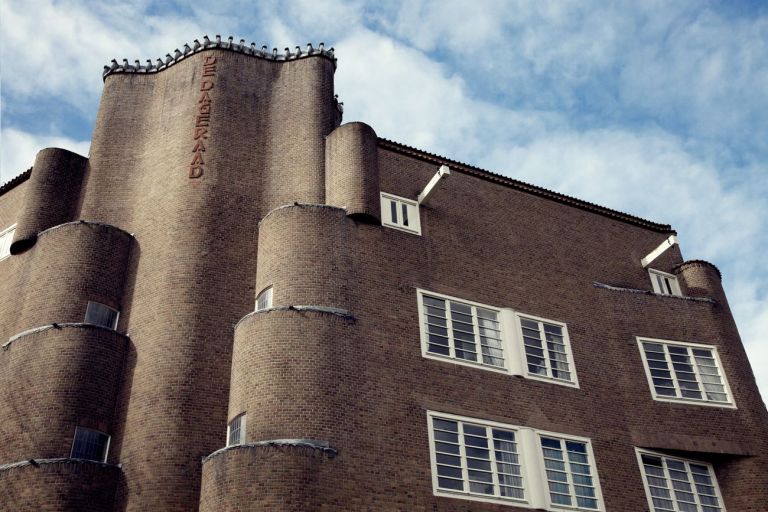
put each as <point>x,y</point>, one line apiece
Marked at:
<point>72,264</point>
<point>253,478</point>
<point>352,170</point>
<point>58,485</point>
<point>52,195</point>
<point>701,279</point>
<point>303,254</point>
<point>52,380</point>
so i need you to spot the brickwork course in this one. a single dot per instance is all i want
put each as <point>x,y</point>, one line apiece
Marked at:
<point>332,378</point>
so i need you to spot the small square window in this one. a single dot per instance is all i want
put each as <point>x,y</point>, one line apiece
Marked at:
<point>400,213</point>
<point>6,237</point>
<point>684,372</point>
<point>236,431</point>
<point>99,314</point>
<point>264,299</point>
<point>90,444</point>
<point>664,284</point>
<point>673,483</point>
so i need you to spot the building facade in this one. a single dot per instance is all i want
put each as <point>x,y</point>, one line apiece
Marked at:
<point>236,302</point>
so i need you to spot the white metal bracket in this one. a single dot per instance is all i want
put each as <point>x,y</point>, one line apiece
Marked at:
<point>666,244</point>
<point>443,172</point>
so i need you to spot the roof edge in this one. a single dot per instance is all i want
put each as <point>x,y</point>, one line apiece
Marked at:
<point>524,187</point>
<point>13,182</point>
<point>230,45</point>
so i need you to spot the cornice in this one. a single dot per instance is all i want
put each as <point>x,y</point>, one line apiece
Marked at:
<point>218,44</point>
<point>522,186</point>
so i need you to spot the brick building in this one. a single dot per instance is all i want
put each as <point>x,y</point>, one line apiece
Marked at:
<point>236,302</point>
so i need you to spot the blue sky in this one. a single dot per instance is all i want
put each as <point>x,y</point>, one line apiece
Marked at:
<point>655,108</point>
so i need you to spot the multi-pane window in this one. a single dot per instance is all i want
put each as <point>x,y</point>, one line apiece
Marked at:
<point>684,371</point>
<point>90,444</point>
<point>463,331</point>
<point>488,461</point>
<point>679,485</point>
<point>99,314</point>
<point>546,352</point>
<point>494,339</point>
<point>569,473</point>
<point>236,431</point>
<point>400,213</point>
<point>663,283</point>
<point>476,459</point>
<point>264,299</point>
<point>6,237</point>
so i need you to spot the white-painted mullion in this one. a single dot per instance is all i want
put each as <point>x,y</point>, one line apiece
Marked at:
<point>463,453</point>
<point>492,458</point>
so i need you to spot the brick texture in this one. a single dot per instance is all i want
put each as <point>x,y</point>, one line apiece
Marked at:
<point>289,199</point>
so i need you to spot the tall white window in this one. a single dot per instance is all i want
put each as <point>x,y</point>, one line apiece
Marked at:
<point>463,331</point>
<point>400,213</point>
<point>264,299</point>
<point>100,314</point>
<point>489,461</point>
<point>90,444</point>
<point>6,237</point>
<point>663,283</point>
<point>546,352</point>
<point>673,484</point>
<point>236,431</point>
<point>494,339</point>
<point>686,372</point>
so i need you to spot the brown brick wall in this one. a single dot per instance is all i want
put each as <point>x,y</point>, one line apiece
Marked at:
<point>352,170</point>
<point>63,486</point>
<point>205,247</point>
<point>52,381</point>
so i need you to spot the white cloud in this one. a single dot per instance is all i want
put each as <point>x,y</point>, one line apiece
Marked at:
<point>18,150</point>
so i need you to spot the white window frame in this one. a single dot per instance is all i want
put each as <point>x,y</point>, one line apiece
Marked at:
<point>106,446</point>
<point>515,360</point>
<point>531,457</point>
<point>6,238</point>
<point>414,213</point>
<point>639,452</point>
<point>669,279</point>
<point>566,342</point>
<point>730,404</point>
<point>266,293</point>
<point>101,304</point>
<point>243,419</point>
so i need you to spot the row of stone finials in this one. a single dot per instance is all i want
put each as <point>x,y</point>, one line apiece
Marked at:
<point>197,46</point>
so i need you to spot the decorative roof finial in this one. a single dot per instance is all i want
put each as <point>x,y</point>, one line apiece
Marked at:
<point>196,45</point>
<point>309,48</point>
<point>177,54</point>
<point>206,41</point>
<point>187,49</point>
<point>218,40</point>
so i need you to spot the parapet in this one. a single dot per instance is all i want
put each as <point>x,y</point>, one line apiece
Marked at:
<point>52,195</point>
<point>352,171</point>
<point>218,43</point>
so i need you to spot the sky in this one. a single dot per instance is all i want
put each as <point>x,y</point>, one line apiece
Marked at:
<point>654,108</point>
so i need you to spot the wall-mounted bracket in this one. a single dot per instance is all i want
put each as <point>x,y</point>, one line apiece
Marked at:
<point>443,172</point>
<point>666,244</point>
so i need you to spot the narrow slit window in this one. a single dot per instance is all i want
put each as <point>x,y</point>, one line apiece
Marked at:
<point>236,431</point>
<point>100,314</point>
<point>90,444</point>
<point>264,300</point>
